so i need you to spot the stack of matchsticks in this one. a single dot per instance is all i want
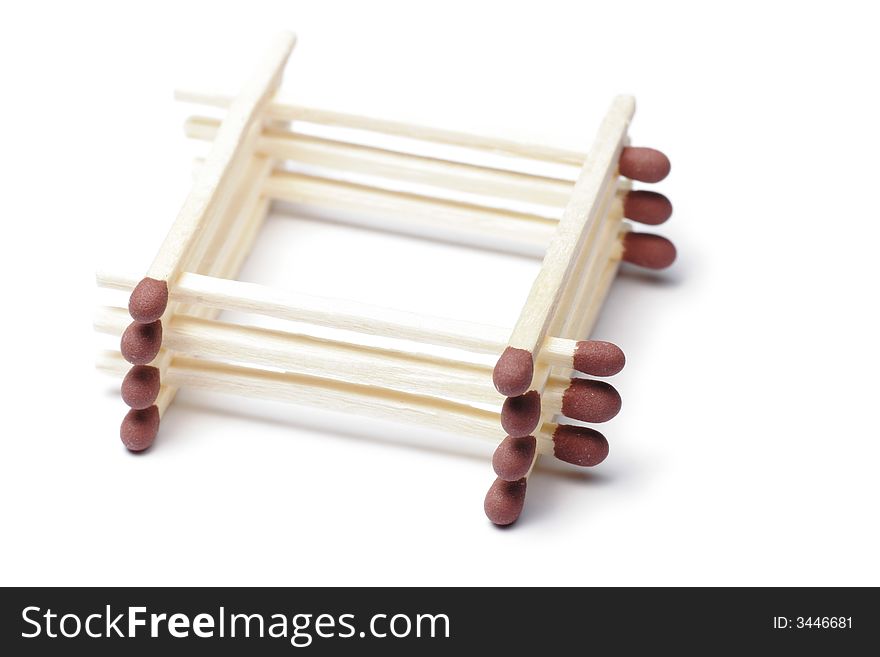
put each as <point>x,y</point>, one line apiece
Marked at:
<point>563,206</point>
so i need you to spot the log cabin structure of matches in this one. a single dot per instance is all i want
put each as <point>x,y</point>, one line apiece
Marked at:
<point>543,389</point>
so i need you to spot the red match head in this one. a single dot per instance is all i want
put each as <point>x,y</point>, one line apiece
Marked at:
<point>148,300</point>
<point>140,387</point>
<point>513,457</point>
<point>141,342</point>
<point>520,415</point>
<point>504,501</point>
<point>139,428</point>
<point>645,164</point>
<point>579,445</point>
<point>647,250</point>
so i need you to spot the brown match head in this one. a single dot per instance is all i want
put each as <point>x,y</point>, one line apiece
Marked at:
<point>148,300</point>
<point>504,501</point>
<point>139,428</point>
<point>140,387</point>
<point>141,342</point>
<point>513,372</point>
<point>645,164</point>
<point>588,400</point>
<point>598,358</point>
<point>513,457</point>
<point>646,207</point>
<point>520,415</point>
<point>579,445</point>
<point>647,250</point>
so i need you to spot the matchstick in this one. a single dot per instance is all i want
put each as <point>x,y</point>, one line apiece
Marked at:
<point>506,147</point>
<point>505,498</point>
<point>577,297</point>
<point>635,165</point>
<point>491,183</point>
<point>436,218</point>
<point>150,297</point>
<point>394,369</point>
<point>224,294</point>
<point>142,388</point>
<point>190,236</point>
<point>480,185</point>
<point>577,445</point>
<point>579,233</point>
<point>415,214</point>
<point>515,368</point>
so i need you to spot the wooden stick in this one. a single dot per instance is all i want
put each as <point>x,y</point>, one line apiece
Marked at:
<point>194,239</point>
<point>372,207</point>
<point>591,292</point>
<point>225,156</point>
<point>413,213</point>
<point>225,255</point>
<point>289,112</point>
<point>237,296</point>
<point>515,368</point>
<point>395,369</point>
<point>327,393</point>
<point>483,181</point>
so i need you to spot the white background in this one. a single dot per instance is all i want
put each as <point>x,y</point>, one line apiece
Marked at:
<point>747,450</point>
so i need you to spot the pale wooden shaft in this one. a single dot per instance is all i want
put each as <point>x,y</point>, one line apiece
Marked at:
<point>599,289</point>
<point>409,212</point>
<point>289,112</point>
<point>227,147</point>
<point>378,403</point>
<point>388,368</point>
<point>580,214</point>
<point>237,296</point>
<point>414,168</point>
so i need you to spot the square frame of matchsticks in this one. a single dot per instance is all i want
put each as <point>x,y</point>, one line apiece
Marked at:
<point>174,338</point>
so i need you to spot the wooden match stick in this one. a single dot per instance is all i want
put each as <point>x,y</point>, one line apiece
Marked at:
<point>506,147</point>
<point>637,164</point>
<point>437,218</point>
<point>190,239</point>
<point>224,294</point>
<point>517,412</point>
<point>414,214</point>
<point>150,297</point>
<point>143,388</point>
<point>434,177</point>
<point>515,368</point>
<point>404,371</point>
<point>588,298</point>
<point>579,446</point>
<point>484,181</point>
<point>224,253</point>
<point>578,236</point>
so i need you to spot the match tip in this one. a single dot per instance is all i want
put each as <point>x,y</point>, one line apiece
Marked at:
<point>579,445</point>
<point>504,501</point>
<point>513,372</point>
<point>598,358</point>
<point>141,342</point>
<point>520,415</point>
<point>588,400</point>
<point>140,387</point>
<point>139,428</point>
<point>513,457</point>
<point>645,164</point>
<point>647,250</point>
<point>647,207</point>
<point>148,300</point>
